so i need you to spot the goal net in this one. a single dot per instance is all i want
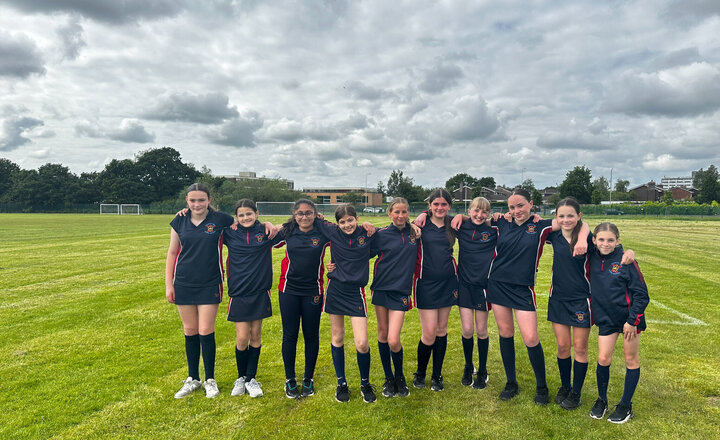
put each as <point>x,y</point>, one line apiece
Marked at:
<point>130,209</point>
<point>285,208</point>
<point>109,208</point>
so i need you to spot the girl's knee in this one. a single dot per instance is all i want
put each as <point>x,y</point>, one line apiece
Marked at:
<point>362,346</point>
<point>395,345</point>
<point>604,359</point>
<point>563,351</point>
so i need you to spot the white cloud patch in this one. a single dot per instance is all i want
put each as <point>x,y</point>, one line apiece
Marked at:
<point>469,119</point>
<point>129,131</point>
<point>210,108</point>
<point>574,141</point>
<point>681,91</point>
<point>238,132</point>
<point>665,162</point>
<point>19,56</point>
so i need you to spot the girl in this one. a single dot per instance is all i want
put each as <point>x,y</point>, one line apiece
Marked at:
<point>436,288</point>
<point>249,268</point>
<point>193,282</point>
<point>477,242</point>
<point>511,288</point>
<point>396,247</point>
<point>619,297</point>
<point>346,295</point>
<point>301,293</point>
<point>569,302</point>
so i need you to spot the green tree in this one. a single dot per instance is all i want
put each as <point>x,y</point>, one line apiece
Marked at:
<point>457,180</point>
<point>163,173</point>
<point>707,185</point>
<point>120,183</point>
<point>577,184</point>
<point>536,197</point>
<point>667,198</point>
<point>354,197</point>
<point>399,185</point>
<point>528,185</point>
<point>621,186</point>
<point>7,169</point>
<point>487,182</point>
<point>554,199</point>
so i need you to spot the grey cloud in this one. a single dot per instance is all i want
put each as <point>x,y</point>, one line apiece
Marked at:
<point>355,121</point>
<point>115,12</point>
<point>470,119</point>
<point>688,12</point>
<point>681,91</point>
<point>19,56</point>
<point>129,131</point>
<point>597,126</point>
<point>12,110</point>
<point>13,130</point>
<point>238,132</point>
<point>440,78</point>
<point>677,58</point>
<point>293,131</point>
<point>290,84</point>
<point>71,38</point>
<point>358,90</point>
<point>211,108</point>
<point>574,141</point>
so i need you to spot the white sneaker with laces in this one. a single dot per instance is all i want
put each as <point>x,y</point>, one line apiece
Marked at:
<point>239,387</point>
<point>253,388</point>
<point>189,385</point>
<point>211,389</point>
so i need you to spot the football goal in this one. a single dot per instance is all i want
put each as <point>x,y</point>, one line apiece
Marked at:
<point>109,208</point>
<point>130,209</point>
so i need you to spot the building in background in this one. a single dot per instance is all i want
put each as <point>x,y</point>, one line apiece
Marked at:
<point>334,195</point>
<point>251,175</point>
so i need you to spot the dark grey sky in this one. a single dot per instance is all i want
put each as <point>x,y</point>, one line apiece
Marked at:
<point>337,93</point>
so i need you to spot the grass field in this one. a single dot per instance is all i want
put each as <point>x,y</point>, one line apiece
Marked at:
<point>91,349</point>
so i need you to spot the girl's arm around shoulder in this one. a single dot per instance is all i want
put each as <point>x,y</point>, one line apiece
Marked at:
<point>172,254</point>
<point>581,246</point>
<point>638,291</point>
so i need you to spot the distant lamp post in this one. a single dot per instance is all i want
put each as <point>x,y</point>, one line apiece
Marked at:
<point>611,170</point>
<point>367,196</point>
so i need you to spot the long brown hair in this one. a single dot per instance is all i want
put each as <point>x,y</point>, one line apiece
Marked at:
<point>443,194</point>
<point>200,187</point>
<point>291,223</point>
<point>571,202</point>
<point>401,201</point>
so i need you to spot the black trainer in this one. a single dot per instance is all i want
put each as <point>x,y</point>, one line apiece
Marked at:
<point>436,383</point>
<point>561,394</point>
<point>481,380</point>
<point>401,388</point>
<point>389,387</point>
<point>418,380</point>
<point>542,396</point>
<point>291,389</point>
<point>621,414</point>
<point>599,408</point>
<point>368,393</point>
<point>467,376</point>
<point>572,401</point>
<point>511,390</point>
<point>308,387</point>
<point>342,393</point>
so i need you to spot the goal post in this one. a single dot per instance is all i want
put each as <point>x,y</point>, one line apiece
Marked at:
<point>109,208</point>
<point>130,209</point>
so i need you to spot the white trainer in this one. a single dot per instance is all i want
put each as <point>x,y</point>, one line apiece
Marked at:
<point>254,388</point>
<point>189,385</point>
<point>239,387</point>
<point>211,389</point>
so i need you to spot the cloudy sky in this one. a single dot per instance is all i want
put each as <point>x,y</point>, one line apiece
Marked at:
<point>340,92</point>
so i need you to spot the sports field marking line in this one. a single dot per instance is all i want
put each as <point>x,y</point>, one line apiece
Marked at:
<point>689,320</point>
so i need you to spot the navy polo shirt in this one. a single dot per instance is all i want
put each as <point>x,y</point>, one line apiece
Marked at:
<point>519,248</point>
<point>199,263</point>
<point>249,261</point>
<point>302,269</point>
<point>435,256</point>
<point>350,253</point>
<point>477,250</point>
<point>397,255</point>
<point>570,275</point>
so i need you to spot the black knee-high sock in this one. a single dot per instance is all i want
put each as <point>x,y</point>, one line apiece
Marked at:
<point>439,355</point>
<point>579,373</point>
<point>537,360</point>
<point>507,353</point>
<point>397,358</point>
<point>632,377</point>
<point>207,342</point>
<point>564,366</point>
<point>483,345</point>
<point>602,375</point>
<point>423,357</point>
<point>338,359</point>
<point>192,353</point>
<point>467,344</point>
<point>384,350</point>
<point>363,360</point>
<point>241,360</point>
<point>252,362</point>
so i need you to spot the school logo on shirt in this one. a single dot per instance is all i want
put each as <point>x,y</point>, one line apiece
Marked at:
<point>314,241</point>
<point>531,229</point>
<point>404,300</point>
<point>412,240</point>
<point>484,237</point>
<point>615,268</point>
<point>259,238</point>
<point>580,316</point>
<point>361,241</point>
<point>210,228</point>
<point>455,293</point>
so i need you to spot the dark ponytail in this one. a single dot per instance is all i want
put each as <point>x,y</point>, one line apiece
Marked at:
<point>290,225</point>
<point>443,194</point>
<point>571,202</point>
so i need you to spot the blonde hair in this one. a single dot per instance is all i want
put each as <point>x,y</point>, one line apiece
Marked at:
<point>397,201</point>
<point>481,203</point>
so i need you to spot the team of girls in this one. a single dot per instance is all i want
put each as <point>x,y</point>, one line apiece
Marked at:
<point>497,265</point>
